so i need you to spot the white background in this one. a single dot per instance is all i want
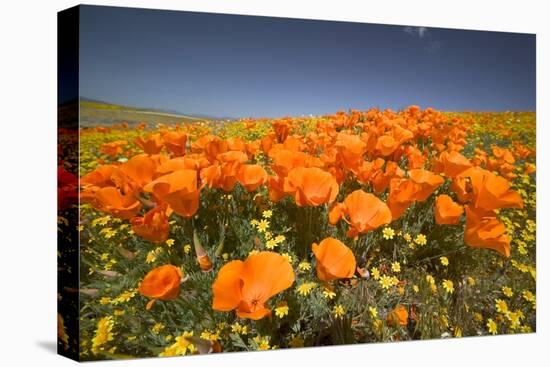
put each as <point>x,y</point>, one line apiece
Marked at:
<point>28,181</point>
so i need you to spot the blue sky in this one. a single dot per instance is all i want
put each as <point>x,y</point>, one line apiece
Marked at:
<point>237,66</point>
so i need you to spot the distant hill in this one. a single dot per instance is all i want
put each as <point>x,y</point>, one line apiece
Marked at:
<point>102,105</point>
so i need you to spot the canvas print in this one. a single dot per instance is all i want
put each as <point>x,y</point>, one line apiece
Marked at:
<point>233,183</point>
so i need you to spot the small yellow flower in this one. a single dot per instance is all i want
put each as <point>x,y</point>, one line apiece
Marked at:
<point>280,238</point>
<point>528,296</point>
<point>501,306</point>
<point>281,311</point>
<point>157,328</point>
<point>448,286</point>
<point>444,260</point>
<point>187,248</point>
<point>225,256</point>
<point>407,237</point>
<point>263,225</point>
<point>421,239</point>
<point>271,244</point>
<point>471,281</point>
<point>396,267</point>
<point>267,214</point>
<point>375,273</point>
<point>305,288</point>
<point>288,257</point>
<point>338,311</point>
<point>328,293</point>
<point>430,279</point>
<point>304,266</point>
<point>492,326</point>
<point>388,233</point>
<point>373,312</point>
<point>415,288</point>
<point>385,281</point>
<point>151,257</point>
<point>170,242</point>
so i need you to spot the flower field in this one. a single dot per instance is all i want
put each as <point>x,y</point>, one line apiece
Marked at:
<point>357,227</point>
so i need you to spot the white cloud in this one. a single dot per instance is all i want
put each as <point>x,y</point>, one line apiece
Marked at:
<point>420,32</point>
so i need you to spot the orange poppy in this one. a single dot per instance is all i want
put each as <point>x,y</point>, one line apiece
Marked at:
<point>350,149</point>
<point>447,211</point>
<point>178,163</point>
<point>311,186</point>
<point>282,129</point>
<point>485,231</point>
<point>153,226</point>
<point>334,260</point>
<point>136,173</point>
<point>113,148</point>
<point>248,285</point>
<point>99,177</point>
<point>398,316</point>
<point>251,176</point>
<point>110,200</point>
<point>428,182</point>
<point>490,191</point>
<point>175,142</point>
<point>364,212</point>
<point>386,145</point>
<point>451,164</point>
<point>275,186</point>
<point>402,194</point>
<point>178,189</point>
<point>161,283</point>
<point>151,144</point>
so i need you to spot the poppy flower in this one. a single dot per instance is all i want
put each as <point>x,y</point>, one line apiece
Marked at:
<point>311,186</point>
<point>113,148</point>
<point>334,260</point>
<point>99,177</point>
<point>403,193</point>
<point>136,173</point>
<point>490,191</point>
<point>398,316</point>
<point>447,211</point>
<point>251,176</point>
<point>110,200</point>
<point>151,144</point>
<point>386,145</point>
<point>247,285</point>
<point>486,231</point>
<point>350,149</point>
<point>178,189</point>
<point>362,211</point>
<point>175,142</point>
<point>178,163</point>
<point>282,129</point>
<point>275,186</point>
<point>153,226</point>
<point>428,182</point>
<point>212,176</point>
<point>161,283</point>
<point>451,164</point>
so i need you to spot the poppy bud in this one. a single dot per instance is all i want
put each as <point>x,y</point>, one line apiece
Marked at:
<point>202,256</point>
